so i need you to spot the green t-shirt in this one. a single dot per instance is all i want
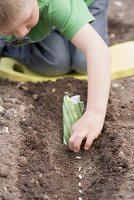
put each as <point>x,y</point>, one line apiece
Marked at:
<point>89,2</point>
<point>68,16</point>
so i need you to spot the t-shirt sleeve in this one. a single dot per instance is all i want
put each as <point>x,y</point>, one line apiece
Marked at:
<point>68,16</point>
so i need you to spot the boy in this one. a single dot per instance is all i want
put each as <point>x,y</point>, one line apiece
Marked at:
<point>22,22</point>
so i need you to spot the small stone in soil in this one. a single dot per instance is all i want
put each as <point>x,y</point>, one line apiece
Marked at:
<point>21,109</point>
<point>118,3</point>
<point>5,130</point>
<point>1,101</point>
<point>22,86</point>
<point>40,175</point>
<point>4,171</point>
<point>112,35</point>
<point>1,109</point>
<point>46,196</point>
<point>121,154</point>
<point>120,168</point>
<point>31,106</point>
<point>67,93</point>
<point>53,90</point>
<point>11,113</point>
<point>35,96</point>
<point>80,198</point>
<point>115,85</point>
<point>22,161</point>
<point>14,100</point>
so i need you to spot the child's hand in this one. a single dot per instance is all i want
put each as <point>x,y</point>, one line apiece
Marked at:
<point>87,127</point>
<point>90,124</point>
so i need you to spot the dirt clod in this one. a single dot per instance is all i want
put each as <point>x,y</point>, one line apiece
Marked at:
<point>35,96</point>
<point>22,161</point>
<point>46,197</point>
<point>8,196</point>
<point>1,101</point>
<point>1,109</point>
<point>11,113</point>
<point>4,171</point>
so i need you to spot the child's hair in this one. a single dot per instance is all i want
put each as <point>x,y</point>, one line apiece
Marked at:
<point>10,13</point>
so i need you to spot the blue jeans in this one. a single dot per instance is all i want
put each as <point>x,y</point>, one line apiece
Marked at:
<point>55,55</point>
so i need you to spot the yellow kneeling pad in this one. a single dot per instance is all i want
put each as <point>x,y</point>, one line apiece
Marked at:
<point>122,60</point>
<point>122,66</point>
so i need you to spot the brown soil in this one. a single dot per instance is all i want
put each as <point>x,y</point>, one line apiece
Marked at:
<point>121,21</point>
<point>41,167</point>
<point>34,162</point>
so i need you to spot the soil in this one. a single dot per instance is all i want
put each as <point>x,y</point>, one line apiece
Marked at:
<point>34,162</point>
<point>40,166</point>
<point>121,21</point>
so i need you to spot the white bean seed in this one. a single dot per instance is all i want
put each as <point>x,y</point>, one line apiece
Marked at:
<point>80,191</point>
<point>79,184</point>
<point>79,169</point>
<point>80,177</point>
<point>78,157</point>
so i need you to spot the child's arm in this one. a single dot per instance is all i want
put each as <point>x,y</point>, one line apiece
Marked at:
<point>97,53</point>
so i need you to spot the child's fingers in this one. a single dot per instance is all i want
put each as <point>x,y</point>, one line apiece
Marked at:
<point>90,138</point>
<point>71,141</point>
<point>76,140</point>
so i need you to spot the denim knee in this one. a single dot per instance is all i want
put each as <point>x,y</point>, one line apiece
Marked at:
<point>51,56</point>
<point>99,9</point>
<point>57,65</point>
<point>79,63</point>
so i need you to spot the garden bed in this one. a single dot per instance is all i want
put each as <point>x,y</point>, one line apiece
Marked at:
<point>37,165</point>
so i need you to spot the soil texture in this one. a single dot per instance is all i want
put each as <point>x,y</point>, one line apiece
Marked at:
<point>35,164</point>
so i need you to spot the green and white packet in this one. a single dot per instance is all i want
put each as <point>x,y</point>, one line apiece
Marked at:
<point>73,109</point>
